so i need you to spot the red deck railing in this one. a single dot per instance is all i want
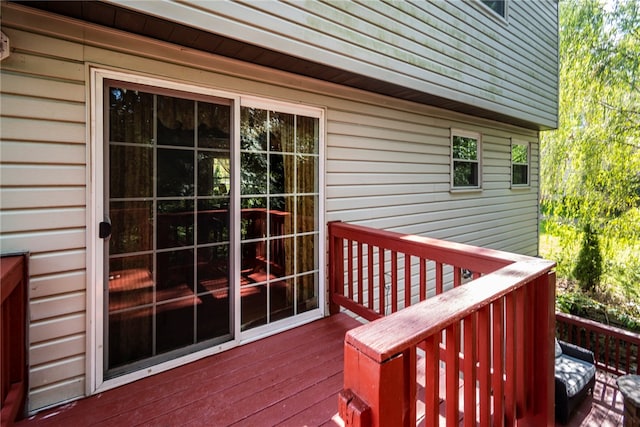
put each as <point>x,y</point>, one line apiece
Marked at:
<point>614,349</point>
<point>491,340</point>
<point>13,364</point>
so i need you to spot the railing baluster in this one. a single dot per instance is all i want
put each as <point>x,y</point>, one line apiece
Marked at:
<point>350,268</point>
<point>469,369</point>
<point>597,349</point>
<point>521,396</point>
<point>453,373</point>
<point>497,377</point>
<point>411,390</point>
<point>382,286</point>
<point>360,274</point>
<point>627,356</point>
<point>510,363</point>
<point>423,279</point>
<point>407,280</point>
<point>606,350</point>
<point>370,275</point>
<point>432,380</point>
<point>484,366</point>
<point>617,354</point>
<point>439,278</point>
<point>394,281</point>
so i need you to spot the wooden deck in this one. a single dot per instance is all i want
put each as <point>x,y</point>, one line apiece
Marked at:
<point>290,379</point>
<point>604,409</point>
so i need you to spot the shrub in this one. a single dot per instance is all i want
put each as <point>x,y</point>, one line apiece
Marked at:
<point>588,269</point>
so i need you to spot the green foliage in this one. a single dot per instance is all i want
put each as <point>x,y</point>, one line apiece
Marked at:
<point>580,304</point>
<point>559,242</point>
<point>588,269</point>
<point>623,273</point>
<point>590,168</point>
<point>590,165</point>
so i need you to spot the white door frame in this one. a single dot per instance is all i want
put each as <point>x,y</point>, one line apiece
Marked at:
<point>95,381</point>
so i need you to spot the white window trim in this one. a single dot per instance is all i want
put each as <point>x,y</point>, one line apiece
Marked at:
<point>528,164</point>
<point>95,381</point>
<point>465,134</point>
<point>502,20</point>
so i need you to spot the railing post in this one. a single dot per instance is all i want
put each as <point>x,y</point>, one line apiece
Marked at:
<point>336,268</point>
<point>374,392</point>
<point>542,345</point>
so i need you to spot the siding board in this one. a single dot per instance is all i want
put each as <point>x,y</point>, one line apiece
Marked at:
<point>46,109</point>
<point>37,197</point>
<point>58,305</point>
<point>33,65</point>
<point>20,84</point>
<point>44,241</point>
<point>54,372</point>
<point>55,328</point>
<point>36,44</point>
<point>55,284</point>
<point>55,262</point>
<point>32,220</point>
<point>55,393</point>
<point>41,175</point>
<point>57,350</point>
<point>27,129</point>
<point>51,153</point>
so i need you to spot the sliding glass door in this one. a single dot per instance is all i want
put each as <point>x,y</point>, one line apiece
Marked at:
<point>189,206</point>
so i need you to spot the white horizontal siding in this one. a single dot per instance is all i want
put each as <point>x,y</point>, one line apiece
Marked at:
<point>402,182</point>
<point>387,165</point>
<point>37,219</point>
<point>56,262</point>
<point>43,191</point>
<point>55,284</point>
<point>25,198</point>
<point>63,348</point>
<point>453,50</point>
<point>63,391</point>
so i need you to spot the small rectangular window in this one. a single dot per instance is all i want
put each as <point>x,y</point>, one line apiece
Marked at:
<point>466,149</point>
<point>519,163</point>
<point>498,6</point>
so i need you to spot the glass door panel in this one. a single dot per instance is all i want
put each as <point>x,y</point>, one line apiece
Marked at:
<point>168,291</point>
<point>279,194</point>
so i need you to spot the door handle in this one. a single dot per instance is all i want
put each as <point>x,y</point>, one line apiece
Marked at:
<point>104,229</point>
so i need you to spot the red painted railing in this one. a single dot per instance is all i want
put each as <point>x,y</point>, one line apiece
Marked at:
<point>614,349</point>
<point>13,365</point>
<point>483,351</point>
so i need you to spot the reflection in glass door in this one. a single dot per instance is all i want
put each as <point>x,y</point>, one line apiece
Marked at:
<point>167,196</point>
<point>280,227</point>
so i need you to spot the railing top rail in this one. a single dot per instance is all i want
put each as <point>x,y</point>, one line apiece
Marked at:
<point>390,335</point>
<point>599,327</point>
<point>482,260</point>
